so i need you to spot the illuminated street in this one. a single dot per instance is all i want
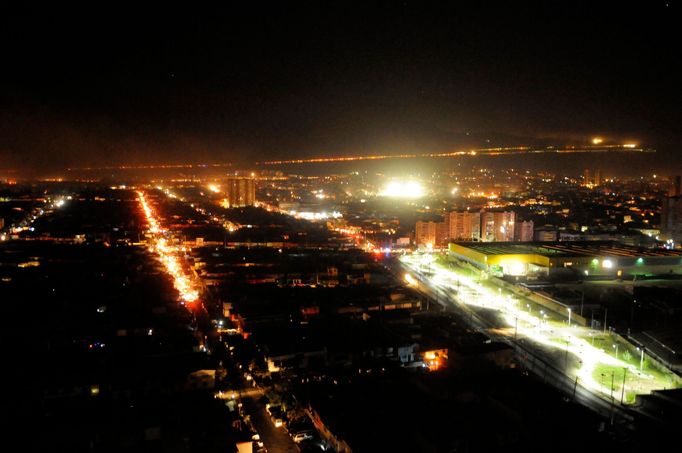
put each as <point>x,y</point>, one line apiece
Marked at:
<point>520,324</point>
<point>168,255</point>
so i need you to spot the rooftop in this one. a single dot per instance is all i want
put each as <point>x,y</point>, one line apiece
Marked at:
<point>572,248</point>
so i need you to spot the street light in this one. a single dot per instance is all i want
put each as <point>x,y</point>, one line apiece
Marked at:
<point>615,346</point>
<point>569,317</point>
<point>641,358</point>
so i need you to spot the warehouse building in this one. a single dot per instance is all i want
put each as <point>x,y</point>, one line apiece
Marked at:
<point>598,259</point>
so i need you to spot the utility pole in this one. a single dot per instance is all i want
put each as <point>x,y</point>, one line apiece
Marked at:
<point>622,391</point>
<point>606,312</point>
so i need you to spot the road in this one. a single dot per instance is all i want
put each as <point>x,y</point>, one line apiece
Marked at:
<point>538,357</point>
<point>276,440</point>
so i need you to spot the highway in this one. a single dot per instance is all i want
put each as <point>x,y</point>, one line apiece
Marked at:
<point>568,368</point>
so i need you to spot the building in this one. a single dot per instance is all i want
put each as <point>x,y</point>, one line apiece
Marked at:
<point>587,259</point>
<point>671,220</point>
<point>597,178</point>
<point>463,225</point>
<point>497,226</point>
<point>544,234</point>
<point>240,192</point>
<point>671,214</point>
<point>430,233</point>
<point>523,231</point>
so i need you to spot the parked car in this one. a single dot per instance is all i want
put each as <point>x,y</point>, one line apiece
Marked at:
<point>301,436</point>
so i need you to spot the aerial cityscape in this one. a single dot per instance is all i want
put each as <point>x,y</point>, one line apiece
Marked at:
<point>347,228</point>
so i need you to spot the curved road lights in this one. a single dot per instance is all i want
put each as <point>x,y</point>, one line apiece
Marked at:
<point>576,340</point>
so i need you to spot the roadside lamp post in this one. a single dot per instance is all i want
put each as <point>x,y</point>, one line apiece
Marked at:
<point>641,358</point>
<point>615,346</point>
<point>622,390</point>
<point>569,317</point>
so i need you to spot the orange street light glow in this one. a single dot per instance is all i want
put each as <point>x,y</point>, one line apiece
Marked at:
<point>168,255</point>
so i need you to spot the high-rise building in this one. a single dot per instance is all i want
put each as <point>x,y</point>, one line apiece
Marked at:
<point>463,225</point>
<point>240,192</point>
<point>671,213</point>
<point>433,233</point>
<point>523,231</point>
<point>497,226</point>
<point>597,178</point>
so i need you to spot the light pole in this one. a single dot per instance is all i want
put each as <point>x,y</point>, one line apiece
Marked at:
<point>641,358</point>
<point>622,390</point>
<point>615,346</point>
<point>569,317</point>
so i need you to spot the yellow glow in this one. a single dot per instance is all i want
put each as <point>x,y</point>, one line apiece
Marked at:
<point>514,267</point>
<point>403,189</point>
<point>214,188</point>
<point>597,140</point>
<point>630,145</point>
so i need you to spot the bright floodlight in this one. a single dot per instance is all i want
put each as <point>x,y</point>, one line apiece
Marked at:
<point>597,141</point>
<point>402,189</point>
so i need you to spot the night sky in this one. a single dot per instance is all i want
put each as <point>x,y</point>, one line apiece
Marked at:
<point>107,86</point>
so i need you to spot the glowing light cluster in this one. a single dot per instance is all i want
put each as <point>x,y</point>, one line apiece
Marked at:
<point>309,215</point>
<point>402,189</point>
<point>168,255</point>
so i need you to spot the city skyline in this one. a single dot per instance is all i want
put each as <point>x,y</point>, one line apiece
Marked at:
<point>342,227</point>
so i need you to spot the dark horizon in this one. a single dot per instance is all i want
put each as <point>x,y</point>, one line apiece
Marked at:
<point>298,81</point>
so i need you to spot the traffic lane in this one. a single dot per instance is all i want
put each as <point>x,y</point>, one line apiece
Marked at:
<point>276,440</point>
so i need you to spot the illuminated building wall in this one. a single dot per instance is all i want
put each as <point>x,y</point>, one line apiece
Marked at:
<point>240,192</point>
<point>607,260</point>
<point>463,225</point>
<point>497,226</point>
<point>433,233</point>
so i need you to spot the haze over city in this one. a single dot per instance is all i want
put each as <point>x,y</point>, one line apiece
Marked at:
<point>244,84</point>
<point>342,227</point>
